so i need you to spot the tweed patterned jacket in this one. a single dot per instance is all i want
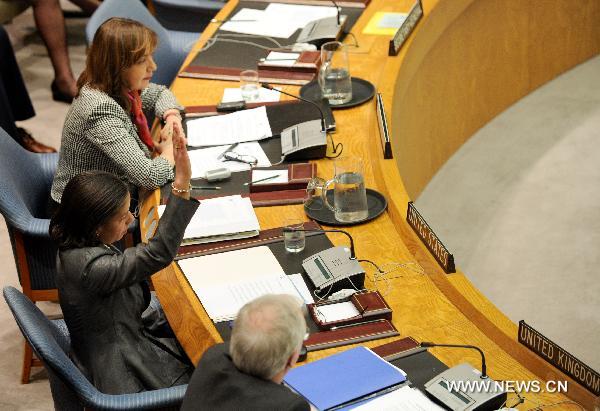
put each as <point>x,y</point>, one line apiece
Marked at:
<point>99,135</point>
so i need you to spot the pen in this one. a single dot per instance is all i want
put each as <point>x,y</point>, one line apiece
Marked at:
<point>262,60</point>
<point>262,179</point>
<point>355,324</point>
<point>231,147</point>
<point>206,187</point>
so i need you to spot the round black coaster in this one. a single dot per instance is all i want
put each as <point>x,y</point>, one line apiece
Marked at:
<point>376,204</point>
<point>362,91</point>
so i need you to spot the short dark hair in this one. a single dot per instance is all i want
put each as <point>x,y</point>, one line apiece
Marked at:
<point>88,201</point>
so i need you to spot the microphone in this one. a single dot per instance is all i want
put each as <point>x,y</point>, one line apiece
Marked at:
<point>270,87</point>
<point>427,344</point>
<point>337,8</point>
<point>352,255</point>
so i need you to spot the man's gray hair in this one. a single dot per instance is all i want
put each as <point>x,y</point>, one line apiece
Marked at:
<point>266,333</point>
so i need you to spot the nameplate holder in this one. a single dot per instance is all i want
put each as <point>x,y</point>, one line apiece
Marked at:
<point>559,357</point>
<point>430,239</point>
<point>384,132</point>
<point>415,14</point>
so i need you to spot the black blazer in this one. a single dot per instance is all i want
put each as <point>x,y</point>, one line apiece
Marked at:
<point>218,385</point>
<point>103,294</point>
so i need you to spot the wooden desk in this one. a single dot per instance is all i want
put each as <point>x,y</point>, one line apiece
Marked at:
<point>466,61</point>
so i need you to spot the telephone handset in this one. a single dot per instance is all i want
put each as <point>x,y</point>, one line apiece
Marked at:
<point>330,266</point>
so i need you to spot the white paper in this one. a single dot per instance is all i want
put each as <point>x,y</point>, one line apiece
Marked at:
<point>230,267</point>
<point>299,15</point>
<point>243,125</point>
<point>276,58</point>
<point>281,176</point>
<point>402,399</point>
<point>336,312</point>
<point>222,303</point>
<point>277,20</point>
<point>206,159</point>
<point>301,287</point>
<point>221,216</point>
<point>264,95</point>
<point>224,282</point>
<point>259,23</point>
<point>392,20</point>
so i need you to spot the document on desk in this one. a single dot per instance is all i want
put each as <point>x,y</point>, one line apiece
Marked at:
<point>224,282</point>
<point>221,218</point>
<point>238,127</point>
<point>277,20</point>
<point>336,312</point>
<point>402,399</point>
<point>210,158</point>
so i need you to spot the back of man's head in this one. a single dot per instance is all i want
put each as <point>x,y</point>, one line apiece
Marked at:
<point>266,333</point>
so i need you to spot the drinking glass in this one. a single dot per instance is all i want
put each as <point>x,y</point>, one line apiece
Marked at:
<point>249,85</point>
<point>334,75</point>
<point>294,241</point>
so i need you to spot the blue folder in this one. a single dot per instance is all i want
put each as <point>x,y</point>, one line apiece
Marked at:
<point>343,378</point>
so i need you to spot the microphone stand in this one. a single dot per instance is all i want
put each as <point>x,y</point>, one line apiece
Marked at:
<point>484,376</point>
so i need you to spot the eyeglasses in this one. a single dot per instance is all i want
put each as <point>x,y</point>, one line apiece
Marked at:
<point>242,158</point>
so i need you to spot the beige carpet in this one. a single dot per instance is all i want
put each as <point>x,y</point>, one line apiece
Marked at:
<point>519,206</point>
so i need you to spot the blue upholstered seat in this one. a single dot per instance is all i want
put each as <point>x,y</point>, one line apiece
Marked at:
<point>186,15</point>
<point>173,46</point>
<point>70,389</point>
<point>25,181</point>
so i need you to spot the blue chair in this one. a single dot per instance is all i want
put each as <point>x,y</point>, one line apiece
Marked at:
<point>186,15</point>
<point>173,46</point>
<point>25,184</point>
<point>70,389</point>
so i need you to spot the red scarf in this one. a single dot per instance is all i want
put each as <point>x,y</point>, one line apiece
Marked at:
<point>139,119</point>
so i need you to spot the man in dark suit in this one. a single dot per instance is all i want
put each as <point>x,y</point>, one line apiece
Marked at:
<point>247,373</point>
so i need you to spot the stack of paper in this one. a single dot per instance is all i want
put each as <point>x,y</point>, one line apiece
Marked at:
<point>277,20</point>
<point>224,282</point>
<point>221,218</point>
<point>243,125</point>
<point>402,399</point>
<point>344,379</point>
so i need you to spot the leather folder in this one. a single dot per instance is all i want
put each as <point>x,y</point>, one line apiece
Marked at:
<point>370,305</point>
<point>397,349</point>
<point>307,62</point>
<point>299,174</point>
<point>264,237</point>
<point>351,334</point>
<point>295,78</point>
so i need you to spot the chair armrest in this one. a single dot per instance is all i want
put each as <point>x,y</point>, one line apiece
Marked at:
<point>163,398</point>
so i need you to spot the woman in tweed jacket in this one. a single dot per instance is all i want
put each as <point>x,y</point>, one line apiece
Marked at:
<point>106,128</point>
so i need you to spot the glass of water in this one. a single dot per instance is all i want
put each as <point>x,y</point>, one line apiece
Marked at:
<point>334,75</point>
<point>349,194</point>
<point>249,85</point>
<point>294,241</point>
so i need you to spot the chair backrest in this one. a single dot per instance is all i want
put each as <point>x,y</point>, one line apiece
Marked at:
<point>25,184</point>
<point>51,345</point>
<point>135,10</point>
<point>70,388</point>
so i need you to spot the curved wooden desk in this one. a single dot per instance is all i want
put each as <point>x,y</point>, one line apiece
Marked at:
<point>466,61</point>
